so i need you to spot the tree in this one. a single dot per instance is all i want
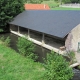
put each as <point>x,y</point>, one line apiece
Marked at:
<point>66,1</point>
<point>57,68</point>
<point>70,1</point>
<point>8,10</point>
<point>33,1</point>
<point>79,1</point>
<point>74,1</point>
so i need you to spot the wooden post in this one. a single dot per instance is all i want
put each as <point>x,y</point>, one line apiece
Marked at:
<point>10,27</point>
<point>43,42</point>
<point>18,29</point>
<point>28,33</point>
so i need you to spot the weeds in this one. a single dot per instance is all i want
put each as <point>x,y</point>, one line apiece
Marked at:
<point>4,41</point>
<point>26,48</point>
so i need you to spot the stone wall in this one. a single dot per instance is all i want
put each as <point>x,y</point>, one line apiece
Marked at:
<point>70,5</point>
<point>73,39</point>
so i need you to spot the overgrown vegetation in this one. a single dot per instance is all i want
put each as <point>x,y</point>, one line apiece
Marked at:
<point>16,67</point>
<point>71,56</point>
<point>26,48</point>
<point>5,41</point>
<point>57,68</point>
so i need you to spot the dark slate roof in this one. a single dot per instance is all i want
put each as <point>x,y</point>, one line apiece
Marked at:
<point>53,22</point>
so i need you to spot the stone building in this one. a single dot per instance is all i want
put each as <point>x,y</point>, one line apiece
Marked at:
<point>52,29</point>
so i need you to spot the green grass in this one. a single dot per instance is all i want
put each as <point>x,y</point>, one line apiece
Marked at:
<point>13,66</point>
<point>51,3</point>
<point>54,6</point>
<point>63,8</point>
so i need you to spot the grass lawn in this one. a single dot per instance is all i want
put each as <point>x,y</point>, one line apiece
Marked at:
<point>63,8</point>
<point>51,3</point>
<point>54,6</point>
<point>13,66</point>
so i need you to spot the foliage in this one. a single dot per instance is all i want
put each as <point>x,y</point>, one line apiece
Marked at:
<point>26,48</point>
<point>13,66</point>
<point>79,1</point>
<point>65,1</point>
<point>4,41</point>
<point>33,1</point>
<point>1,30</point>
<point>8,10</point>
<point>57,68</point>
<point>7,41</point>
<point>68,1</point>
<point>75,1</point>
<point>71,56</point>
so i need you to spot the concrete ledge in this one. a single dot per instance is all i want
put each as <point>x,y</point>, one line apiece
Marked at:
<point>74,65</point>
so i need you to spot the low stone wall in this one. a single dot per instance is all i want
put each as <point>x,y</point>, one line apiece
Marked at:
<point>70,5</point>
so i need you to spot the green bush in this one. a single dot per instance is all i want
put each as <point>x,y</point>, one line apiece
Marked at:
<point>57,68</point>
<point>5,41</point>
<point>26,48</point>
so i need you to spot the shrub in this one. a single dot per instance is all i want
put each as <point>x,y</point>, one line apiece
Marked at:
<point>5,41</point>
<point>26,48</point>
<point>57,68</point>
